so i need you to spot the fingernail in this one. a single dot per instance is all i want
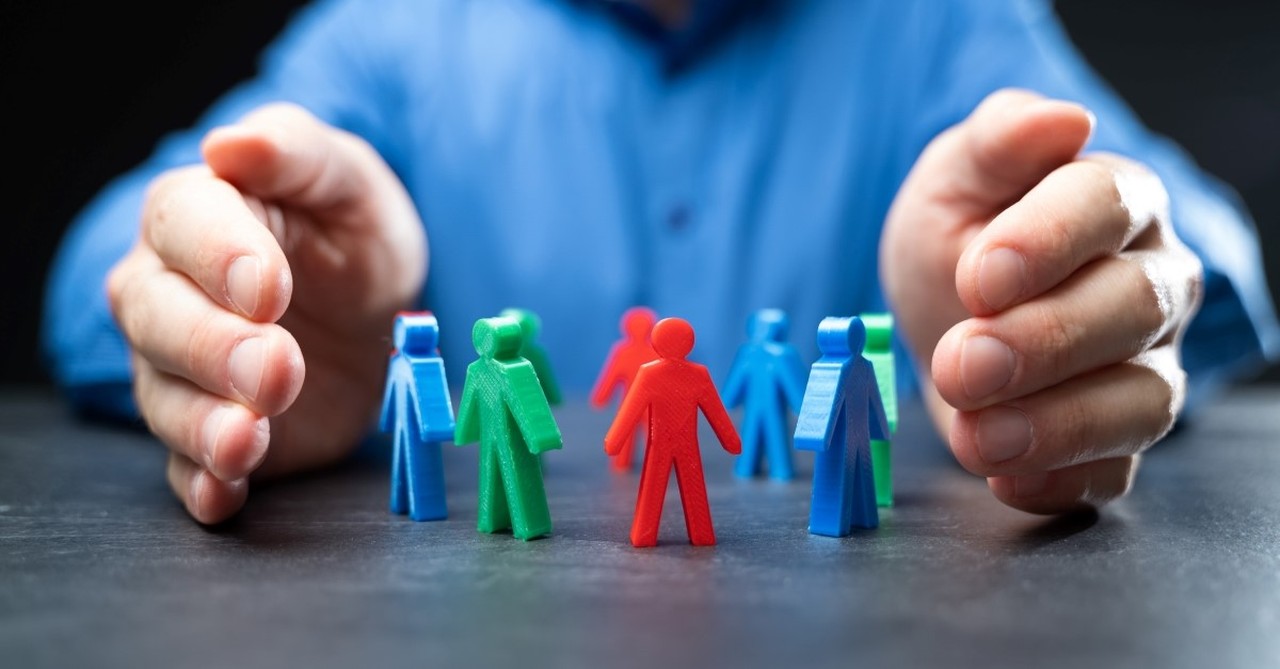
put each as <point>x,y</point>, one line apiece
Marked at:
<point>210,434</point>
<point>246,367</point>
<point>1004,433</point>
<point>244,278</point>
<point>1030,485</point>
<point>1002,277</point>
<point>196,493</point>
<point>257,452</point>
<point>986,365</point>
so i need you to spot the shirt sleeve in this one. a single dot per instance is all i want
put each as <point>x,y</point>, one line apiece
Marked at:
<point>332,58</point>
<point>992,45</point>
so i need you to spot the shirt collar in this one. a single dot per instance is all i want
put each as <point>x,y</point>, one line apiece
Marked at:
<point>709,21</point>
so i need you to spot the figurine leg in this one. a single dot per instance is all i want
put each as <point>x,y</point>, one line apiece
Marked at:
<point>492,514</point>
<point>883,471</point>
<point>830,509</point>
<point>777,446</point>
<point>526,497</point>
<point>693,496</point>
<point>748,464</point>
<point>399,489</point>
<point>426,481</point>
<point>654,475</point>
<point>862,495</point>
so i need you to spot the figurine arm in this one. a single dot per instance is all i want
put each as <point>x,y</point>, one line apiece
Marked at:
<point>718,416</point>
<point>879,421</point>
<point>607,382</point>
<point>735,386</point>
<point>467,429</point>
<point>816,422</point>
<point>524,394</point>
<point>431,397</point>
<point>634,405</point>
<point>542,368</point>
<point>791,376</point>
<point>387,418</point>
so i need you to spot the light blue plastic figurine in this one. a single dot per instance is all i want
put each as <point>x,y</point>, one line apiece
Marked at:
<point>840,415</point>
<point>417,409</point>
<point>767,380</point>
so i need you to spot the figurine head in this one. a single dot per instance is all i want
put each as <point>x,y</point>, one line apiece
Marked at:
<point>768,325</point>
<point>841,337</point>
<point>416,333</point>
<point>637,322</point>
<point>498,338</point>
<point>879,331</point>
<point>530,323</point>
<point>672,338</point>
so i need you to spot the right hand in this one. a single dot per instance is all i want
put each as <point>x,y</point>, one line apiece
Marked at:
<point>291,248</point>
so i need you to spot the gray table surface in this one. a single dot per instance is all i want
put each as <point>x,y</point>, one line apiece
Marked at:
<point>99,566</point>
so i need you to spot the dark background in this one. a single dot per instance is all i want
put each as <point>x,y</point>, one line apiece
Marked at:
<point>88,93</point>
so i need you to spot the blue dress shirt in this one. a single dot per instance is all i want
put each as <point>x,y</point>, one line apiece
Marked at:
<point>571,157</point>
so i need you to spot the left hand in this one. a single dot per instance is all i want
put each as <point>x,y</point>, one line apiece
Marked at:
<point>1054,363</point>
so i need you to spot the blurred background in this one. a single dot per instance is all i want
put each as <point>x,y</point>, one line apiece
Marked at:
<point>89,91</point>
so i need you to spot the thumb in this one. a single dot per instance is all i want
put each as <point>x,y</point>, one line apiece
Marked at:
<point>282,153</point>
<point>1010,142</point>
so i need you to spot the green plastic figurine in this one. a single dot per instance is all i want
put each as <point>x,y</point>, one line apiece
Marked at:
<point>531,350</point>
<point>504,408</point>
<point>879,352</point>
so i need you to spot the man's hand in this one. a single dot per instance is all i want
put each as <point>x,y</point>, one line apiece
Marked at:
<point>1047,294</point>
<point>294,242</point>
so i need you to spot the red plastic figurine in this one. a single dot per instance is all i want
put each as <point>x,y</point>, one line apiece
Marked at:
<point>620,369</point>
<point>671,391</point>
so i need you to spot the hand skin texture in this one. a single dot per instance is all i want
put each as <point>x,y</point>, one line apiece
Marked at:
<point>294,241</point>
<point>1043,294</point>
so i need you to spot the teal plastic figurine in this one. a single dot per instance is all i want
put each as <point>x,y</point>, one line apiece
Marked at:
<point>503,407</point>
<point>417,410</point>
<point>840,415</point>
<point>879,352</point>
<point>767,380</point>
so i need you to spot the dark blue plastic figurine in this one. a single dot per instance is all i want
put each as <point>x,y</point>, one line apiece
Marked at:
<point>840,415</point>
<point>767,379</point>
<point>417,408</point>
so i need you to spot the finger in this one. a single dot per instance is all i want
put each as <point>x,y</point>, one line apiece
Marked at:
<point>1108,311</point>
<point>202,227</point>
<point>1010,142</point>
<point>1115,412</point>
<point>282,153</point>
<point>207,499</point>
<point>223,436</point>
<point>1080,212</point>
<point>1090,485</point>
<point>174,325</point>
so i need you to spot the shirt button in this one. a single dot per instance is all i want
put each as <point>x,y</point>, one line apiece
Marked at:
<point>679,218</point>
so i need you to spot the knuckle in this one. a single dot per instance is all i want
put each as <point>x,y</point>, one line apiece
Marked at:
<point>1167,399</point>
<point>1098,175</point>
<point>161,195</point>
<point>132,312</point>
<point>1152,304</point>
<point>278,112</point>
<point>117,278</point>
<point>1110,482</point>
